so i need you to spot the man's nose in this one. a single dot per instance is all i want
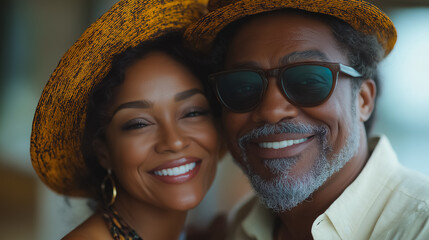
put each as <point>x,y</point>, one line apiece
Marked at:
<point>274,106</point>
<point>171,139</point>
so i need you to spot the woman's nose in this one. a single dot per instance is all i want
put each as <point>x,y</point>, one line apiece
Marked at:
<point>171,139</point>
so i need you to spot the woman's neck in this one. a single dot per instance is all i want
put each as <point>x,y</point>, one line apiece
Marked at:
<point>149,221</point>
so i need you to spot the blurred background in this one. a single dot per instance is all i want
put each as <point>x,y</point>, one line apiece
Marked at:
<point>36,33</point>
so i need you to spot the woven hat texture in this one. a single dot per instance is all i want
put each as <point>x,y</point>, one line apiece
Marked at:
<point>59,119</point>
<point>361,15</point>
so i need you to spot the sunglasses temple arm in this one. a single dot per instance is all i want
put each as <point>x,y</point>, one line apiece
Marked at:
<point>349,71</point>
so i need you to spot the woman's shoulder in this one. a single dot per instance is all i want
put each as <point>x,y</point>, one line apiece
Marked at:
<point>92,228</point>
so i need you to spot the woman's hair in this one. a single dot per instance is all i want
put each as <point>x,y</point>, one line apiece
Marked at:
<point>364,52</point>
<point>103,94</point>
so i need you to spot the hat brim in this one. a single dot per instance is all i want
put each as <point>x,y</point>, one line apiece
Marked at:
<point>361,15</point>
<point>59,120</point>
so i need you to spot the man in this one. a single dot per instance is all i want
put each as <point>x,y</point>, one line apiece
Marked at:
<point>297,84</point>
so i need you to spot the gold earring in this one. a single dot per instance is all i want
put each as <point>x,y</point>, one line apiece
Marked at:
<point>108,178</point>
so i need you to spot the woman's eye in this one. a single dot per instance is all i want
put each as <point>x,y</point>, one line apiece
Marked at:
<point>134,124</point>
<point>196,113</point>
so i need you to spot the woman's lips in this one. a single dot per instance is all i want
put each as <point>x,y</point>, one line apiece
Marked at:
<point>177,171</point>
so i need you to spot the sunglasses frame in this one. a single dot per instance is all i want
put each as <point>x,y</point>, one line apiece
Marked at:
<point>335,68</point>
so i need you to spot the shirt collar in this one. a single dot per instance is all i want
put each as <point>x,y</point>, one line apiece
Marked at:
<point>350,209</point>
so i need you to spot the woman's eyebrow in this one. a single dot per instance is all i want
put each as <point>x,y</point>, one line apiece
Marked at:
<point>148,104</point>
<point>187,94</point>
<point>134,104</point>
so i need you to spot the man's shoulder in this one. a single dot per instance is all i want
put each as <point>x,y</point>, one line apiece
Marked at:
<point>402,184</point>
<point>406,211</point>
<point>407,220</point>
<point>410,184</point>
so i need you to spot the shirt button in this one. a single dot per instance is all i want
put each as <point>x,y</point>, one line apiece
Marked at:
<point>422,208</point>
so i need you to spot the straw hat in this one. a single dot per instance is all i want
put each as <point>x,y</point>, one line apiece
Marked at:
<point>361,15</point>
<point>59,120</point>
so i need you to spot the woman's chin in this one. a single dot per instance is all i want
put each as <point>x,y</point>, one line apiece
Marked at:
<point>186,203</point>
<point>187,196</point>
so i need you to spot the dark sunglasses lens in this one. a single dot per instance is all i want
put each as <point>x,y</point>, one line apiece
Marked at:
<point>307,85</point>
<point>240,91</point>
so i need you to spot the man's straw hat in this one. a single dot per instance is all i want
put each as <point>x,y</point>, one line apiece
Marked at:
<point>361,15</point>
<point>59,120</point>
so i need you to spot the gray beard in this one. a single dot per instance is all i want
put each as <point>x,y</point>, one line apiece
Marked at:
<point>285,192</point>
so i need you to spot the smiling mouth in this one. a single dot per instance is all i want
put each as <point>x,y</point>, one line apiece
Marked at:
<point>176,171</point>
<point>281,144</point>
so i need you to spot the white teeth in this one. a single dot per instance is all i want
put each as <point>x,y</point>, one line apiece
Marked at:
<point>281,144</point>
<point>176,170</point>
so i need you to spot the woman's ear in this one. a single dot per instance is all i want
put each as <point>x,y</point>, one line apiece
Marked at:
<point>102,153</point>
<point>366,96</point>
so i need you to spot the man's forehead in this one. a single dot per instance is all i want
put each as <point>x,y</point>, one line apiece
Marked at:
<point>281,38</point>
<point>282,16</point>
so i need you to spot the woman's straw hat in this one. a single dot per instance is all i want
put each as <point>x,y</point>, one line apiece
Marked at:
<point>361,15</point>
<point>59,120</point>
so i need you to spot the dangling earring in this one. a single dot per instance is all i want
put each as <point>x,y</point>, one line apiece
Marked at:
<point>108,178</point>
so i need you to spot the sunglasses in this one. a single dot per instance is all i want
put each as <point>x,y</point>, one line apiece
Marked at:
<point>304,84</point>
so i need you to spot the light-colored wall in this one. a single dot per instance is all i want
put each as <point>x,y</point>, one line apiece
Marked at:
<point>403,107</point>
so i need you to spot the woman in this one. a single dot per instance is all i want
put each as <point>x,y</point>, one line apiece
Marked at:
<point>136,133</point>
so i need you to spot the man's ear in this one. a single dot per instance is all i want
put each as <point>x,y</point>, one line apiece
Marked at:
<point>366,97</point>
<point>102,153</point>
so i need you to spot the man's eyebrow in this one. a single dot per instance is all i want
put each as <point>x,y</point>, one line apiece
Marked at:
<point>134,104</point>
<point>290,58</point>
<point>244,65</point>
<point>303,56</point>
<point>187,94</point>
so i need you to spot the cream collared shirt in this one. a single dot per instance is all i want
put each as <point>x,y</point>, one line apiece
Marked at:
<point>386,201</point>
